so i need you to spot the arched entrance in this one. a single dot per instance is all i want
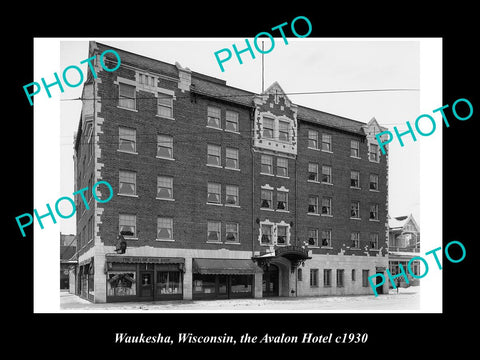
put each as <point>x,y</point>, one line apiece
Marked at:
<point>270,280</point>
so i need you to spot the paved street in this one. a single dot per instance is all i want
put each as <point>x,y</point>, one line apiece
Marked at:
<point>407,300</point>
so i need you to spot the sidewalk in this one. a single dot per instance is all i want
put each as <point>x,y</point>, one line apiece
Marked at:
<point>407,299</point>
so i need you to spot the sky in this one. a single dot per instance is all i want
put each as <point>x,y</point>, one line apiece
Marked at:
<point>302,65</point>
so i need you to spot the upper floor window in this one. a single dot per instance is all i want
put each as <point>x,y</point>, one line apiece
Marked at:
<point>327,238</point>
<point>374,212</point>
<point>355,210</point>
<point>213,117</point>
<point>373,182</point>
<point>374,240</point>
<point>165,146</point>
<point>355,148</point>
<point>165,187</point>
<point>326,142</point>
<point>266,199</point>
<point>127,225</point>
<point>354,179</point>
<point>313,139</point>
<point>355,238</point>
<point>213,229</point>
<point>312,172</point>
<point>231,121</point>
<point>165,105</point>
<point>214,193</point>
<point>165,228</point>
<point>231,159</point>
<point>282,200</point>
<point>282,166</point>
<point>373,155</point>
<point>283,131</point>
<point>214,155</point>
<point>326,174</point>
<point>282,235</point>
<point>313,204</point>
<point>231,230</point>
<point>126,96</point>
<point>266,231</point>
<point>268,127</point>
<point>313,237</point>
<point>267,164</point>
<point>326,206</point>
<point>127,139</point>
<point>127,183</point>
<point>231,193</point>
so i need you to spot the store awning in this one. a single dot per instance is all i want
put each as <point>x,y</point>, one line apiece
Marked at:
<point>225,267</point>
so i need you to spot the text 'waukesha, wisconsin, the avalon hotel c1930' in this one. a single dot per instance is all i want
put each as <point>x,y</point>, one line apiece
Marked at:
<point>222,193</point>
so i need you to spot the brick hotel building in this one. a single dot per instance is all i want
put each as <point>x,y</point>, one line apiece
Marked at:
<point>221,193</point>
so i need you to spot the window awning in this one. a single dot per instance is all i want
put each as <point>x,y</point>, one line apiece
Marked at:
<point>225,266</point>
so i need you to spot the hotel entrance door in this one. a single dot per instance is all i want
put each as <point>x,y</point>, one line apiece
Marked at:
<point>270,280</point>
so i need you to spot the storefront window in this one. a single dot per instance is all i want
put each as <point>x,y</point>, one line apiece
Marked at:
<point>203,284</point>
<point>91,288</point>
<point>222,284</point>
<point>169,282</point>
<point>241,284</point>
<point>120,283</point>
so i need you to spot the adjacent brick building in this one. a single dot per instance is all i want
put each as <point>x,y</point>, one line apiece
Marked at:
<point>220,192</point>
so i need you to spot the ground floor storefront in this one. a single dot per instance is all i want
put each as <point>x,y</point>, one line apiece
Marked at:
<point>207,275</point>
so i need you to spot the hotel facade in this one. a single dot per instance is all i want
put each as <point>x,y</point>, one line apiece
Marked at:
<point>221,193</point>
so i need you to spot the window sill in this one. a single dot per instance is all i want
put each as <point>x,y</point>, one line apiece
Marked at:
<point>374,220</point>
<point>283,177</point>
<point>214,204</point>
<point>214,242</point>
<point>213,127</point>
<point>283,211</point>
<point>283,245</point>
<point>166,240</point>
<point>325,183</point>
<point>125,108</point>
<point>127,152</point>
<point>352,218</point>
<point>165,199</point>
<point>232,243</point>
<point>266,174</point>
<point>327,151</point>
<point>327,215</point>
<point>314,181</point>
<point>373,190</point>
<point>229,168</point>
<point>215,166</point>
<point>164,117</point>
<point>313,214</point>
<point>355,157</point>
<point>232,131</point>
<point>374,161</point>
<point>128,195</point>
<point>164,158</point>
<point>266,245</point>
<point>130,238</point>
<point>326,247</point>
<point>233,206</point>
<point>266,209</point>
<point>311,148</point>
<point>355,188</point>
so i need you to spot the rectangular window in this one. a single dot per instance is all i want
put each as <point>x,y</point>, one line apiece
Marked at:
<point>128,183</point>
<point>326,206</point>
<point>373,241</point>
<point>126,96</point>
<point>313,204</point>
<point>268,126</point>
<point>374,212</point>
<point>231,160</point>
<point>373,155</point>
<point>127,139</point>
<point>365,274</point>
<point>282,235</point>
<point>373,182</point>
<point>313,237</point>
<point>127,225</point>
<point>340,277</point>
<point>213,230</point>
<point>327,277</point>
<point>354,179</point>
<point>299,274</point>
<point>165,105</point>
<point>353,275</point>
<point>266,233</point>
<point>312,172</point>
<point>313,139</point>
<point>169,282</point>
<point>313,277</point>
<point>282,166</point>
<point>231,119</point>
<point>326,237</point>
<point>326,174</point>
<point>214,155</point>
<point>355,210</point>
<point>232,195</point>
<point>165,146</point>
<point>354,148</point>
<point>213,117</point>
<point>266,199</point>
<point>165,187</point>
<point>232,232</point>
<point>326,142</point>
<point>267,164</point>
<point>165,228</point>
<point>355,238</point>
<point>214,193</point>
<point>282,200</point>
<point>283,131</point>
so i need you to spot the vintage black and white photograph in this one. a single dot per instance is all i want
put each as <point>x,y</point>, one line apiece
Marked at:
<point>209,175</point>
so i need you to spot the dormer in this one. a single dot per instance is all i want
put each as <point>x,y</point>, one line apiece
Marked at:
<point>371,129</point>
<point>275,126</point>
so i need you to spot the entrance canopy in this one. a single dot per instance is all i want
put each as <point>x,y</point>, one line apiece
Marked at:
<point>225,267</point>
